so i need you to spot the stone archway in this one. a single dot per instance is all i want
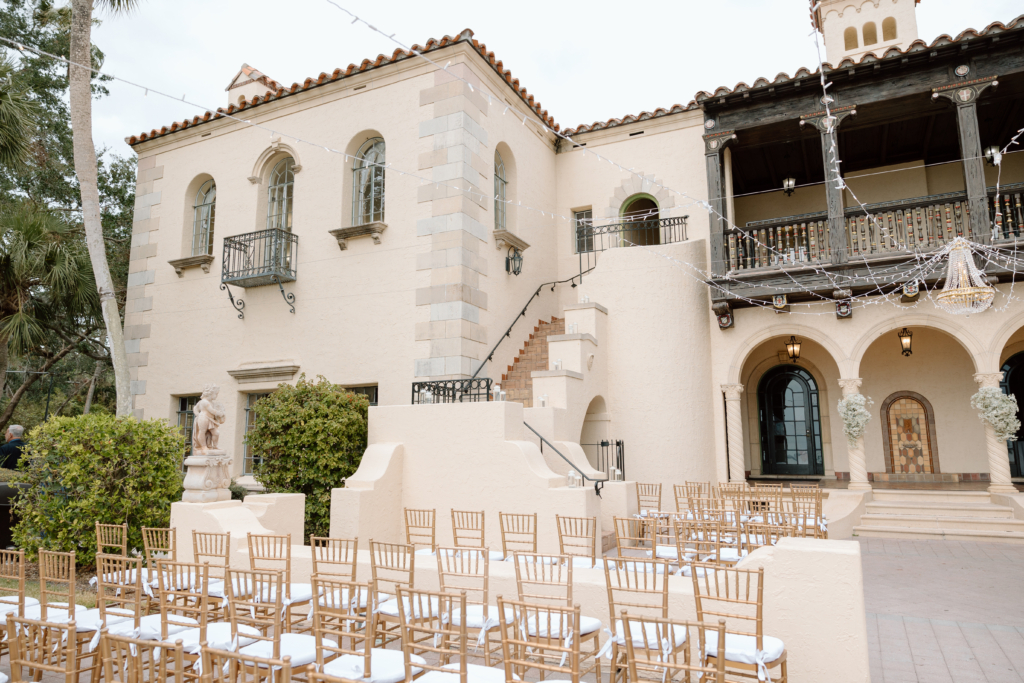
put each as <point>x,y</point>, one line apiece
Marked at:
<point>908,434</point>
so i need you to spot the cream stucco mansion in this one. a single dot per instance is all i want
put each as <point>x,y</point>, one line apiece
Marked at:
<point>384,225</point>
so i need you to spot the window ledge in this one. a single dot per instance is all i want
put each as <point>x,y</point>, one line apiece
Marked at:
<point>374,230</point>
<point>280,371</point>
<point>203,261</point>
<point>504,239</point>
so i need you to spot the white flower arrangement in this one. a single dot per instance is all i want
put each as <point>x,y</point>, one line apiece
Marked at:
<point>854,411</point>
<point>999,410</point>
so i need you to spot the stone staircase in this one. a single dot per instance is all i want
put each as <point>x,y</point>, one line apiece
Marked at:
<point>939,515</point>
<point>517,383</point>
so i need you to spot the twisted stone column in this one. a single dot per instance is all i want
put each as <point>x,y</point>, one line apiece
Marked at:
<point>998,455</point>
<point>734,420</point>
<point>855,453</point>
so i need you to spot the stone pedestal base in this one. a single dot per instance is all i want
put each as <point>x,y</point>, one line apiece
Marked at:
<point>207,477</point>
<point>1003,488</point>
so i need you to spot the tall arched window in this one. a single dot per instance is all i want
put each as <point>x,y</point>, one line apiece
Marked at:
<point>368,183</point>
<point>202,219</point>
<point>870,33</point>
<point>500,192</point>
<point>889,28</point>
<point>850,38</point>
<point>280,197</point>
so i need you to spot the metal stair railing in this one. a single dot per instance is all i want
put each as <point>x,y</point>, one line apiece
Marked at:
<point>598,483</point>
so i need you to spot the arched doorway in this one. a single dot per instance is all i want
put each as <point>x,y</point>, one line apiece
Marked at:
<point>1013,383</point>
<point>642,212</point>
<point>909,434</point>
<point>787,400</point>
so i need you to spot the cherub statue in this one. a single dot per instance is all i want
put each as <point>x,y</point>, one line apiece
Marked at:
<point>209,416</point>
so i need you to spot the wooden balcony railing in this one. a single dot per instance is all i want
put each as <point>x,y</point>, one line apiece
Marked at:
<point>778,242</point>
<point>1007,215</point>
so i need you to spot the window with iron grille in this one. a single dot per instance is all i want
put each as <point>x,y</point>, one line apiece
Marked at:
<point>280,196</point>
<point>368,183</point>
<point>583,221</point>
<point>186,417</point>
<point>370,392</point>
<point>202,219</point>
<point>249,459</point>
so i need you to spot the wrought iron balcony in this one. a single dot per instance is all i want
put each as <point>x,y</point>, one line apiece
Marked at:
<point>452,391</point>
<point>255,259</point>
<point>595,238</point>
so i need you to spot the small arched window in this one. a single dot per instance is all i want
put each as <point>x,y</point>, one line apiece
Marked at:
<point>202,219</point>
<point>368,183</point>
<point>850,38</point>
<point>870,33</point>
<point>280,196</point>
<point>500,192</point>
<point>889,28</point>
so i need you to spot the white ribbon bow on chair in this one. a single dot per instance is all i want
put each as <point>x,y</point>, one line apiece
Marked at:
<point>762,668</point>
<point>606,649</point>
<point>666,652</point>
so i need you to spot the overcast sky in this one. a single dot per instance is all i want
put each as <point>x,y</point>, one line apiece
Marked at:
<point>584,61</point>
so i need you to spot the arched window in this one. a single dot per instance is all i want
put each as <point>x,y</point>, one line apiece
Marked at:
<point>850,38</point>
<point>202,219</point>
<point>870,33</point>
<point>500,192</point>
<point>368,183</point>
<point>889,28</point>
<point>280,196</point>
<point>787,399</point>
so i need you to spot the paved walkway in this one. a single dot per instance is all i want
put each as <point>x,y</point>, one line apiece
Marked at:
<point>944,610</point>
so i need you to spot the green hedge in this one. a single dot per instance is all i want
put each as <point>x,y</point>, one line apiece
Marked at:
<point>76,471</point>
<point>310,437</point>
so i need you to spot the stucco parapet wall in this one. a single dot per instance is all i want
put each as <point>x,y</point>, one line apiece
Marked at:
<point>265,372</point>
<point>581,306</point>
<point>557,373</point>
<point>572,337</point>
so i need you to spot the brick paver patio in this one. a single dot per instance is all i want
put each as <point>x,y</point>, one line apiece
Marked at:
<point>944,610</point>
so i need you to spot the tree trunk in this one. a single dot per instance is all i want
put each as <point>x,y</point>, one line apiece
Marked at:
<point>4,357</point>
<point>92,387</point>
<point>85,168</point>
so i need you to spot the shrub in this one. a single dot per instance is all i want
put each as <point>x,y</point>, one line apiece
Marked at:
<point>309,438</point>
<point>238,491</point>
<point>76,471</point>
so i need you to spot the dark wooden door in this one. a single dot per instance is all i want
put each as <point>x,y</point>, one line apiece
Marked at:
<point>790,422</point>
<point>1013,383</point>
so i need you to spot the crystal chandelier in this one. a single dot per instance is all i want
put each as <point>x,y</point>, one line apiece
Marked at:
<point>965,291</point>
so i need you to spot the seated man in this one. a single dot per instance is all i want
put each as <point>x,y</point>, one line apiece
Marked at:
<point>10,452</point>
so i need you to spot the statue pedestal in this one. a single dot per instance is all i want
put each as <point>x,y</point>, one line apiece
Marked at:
<point>207,477</point>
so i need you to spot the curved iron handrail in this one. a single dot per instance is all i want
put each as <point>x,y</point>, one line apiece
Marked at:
<point>598,483</point>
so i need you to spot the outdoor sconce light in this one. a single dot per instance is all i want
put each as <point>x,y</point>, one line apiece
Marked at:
<point>905,336</point>
<point>514,261</point>
<point>789,186</point>
<point>793,348</point>
<point>993,155</point>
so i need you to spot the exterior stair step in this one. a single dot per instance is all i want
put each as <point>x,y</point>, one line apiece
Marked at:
<point>978,536</point>
<point>945,522</point>
<point>929,497</point>
<point>899,507</point>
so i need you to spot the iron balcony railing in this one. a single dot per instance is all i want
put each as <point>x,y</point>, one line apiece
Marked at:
<point>452,391</point>
<point>264,257</point>
<point>639,233</point>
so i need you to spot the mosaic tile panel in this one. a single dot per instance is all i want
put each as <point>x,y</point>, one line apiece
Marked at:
<point>909,444</point>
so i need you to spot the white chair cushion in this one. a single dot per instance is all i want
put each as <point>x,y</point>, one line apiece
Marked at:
<point>150,627</point>
<point>301,648</point>
<point>494,555</point>
<point>687,570</point>
<point>421,551</point>
<point>56,612</point>
<point>581,563</point>
<point>731,554</point>
<point>678,634</point>
<point>89,620</point>
<point>475,617</point>
<point>386,666</point>
<point>390,607</point>
<point>218,636</point>
<point>666,552</point>
<point>587,625</point>
<point>7,608</point>
<point>474,673</point>
<point>3,677</point>
<point>363,598</point>
<point>741,648</point>
<point>637,566</point>
<point>294,594</point>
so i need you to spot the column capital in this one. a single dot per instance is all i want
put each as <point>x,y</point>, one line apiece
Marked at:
<point>850,385</point>
<point>732,391</point>
<point>988,379</point>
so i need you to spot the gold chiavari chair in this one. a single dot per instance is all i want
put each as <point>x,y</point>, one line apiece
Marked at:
<point>274,552</point>
<point>634,534</point>
<point>344,635</point>
<point>313,676</point>
<point>641,587</point>
<point>12,569</point>
<point>577,538</point>
<point>392,566</point>
<point>645,657</point>
<point>56,589</point>
<point>336,557</point>
<point>768,486</point>
<point>551,630</point>
<point>648,497</point>
<point>133,660</point>
<point>111,537</point>
<point>119,601</point>
<point>223,666</point>
<point>158,543</point>
<point>468,530</point>
<point>468,572</point>
<point>256,600</point>
<point>759,534</point>
<point>737,595</point>
<point>803,511</point>
<point>434,624</point>
<point>213,548</point>
<point>547,580</point>
<point>518,533</point>
<point>698,540</point>
<point>421,530</point>
<point>45,647</point>
<point>730,486</point>
<point>804,486</point>
<point>690,489</point>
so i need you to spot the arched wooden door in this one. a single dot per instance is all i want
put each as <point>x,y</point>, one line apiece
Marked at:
<point>911,441</point>
<point>1013,383</point>
<point>787,399</point>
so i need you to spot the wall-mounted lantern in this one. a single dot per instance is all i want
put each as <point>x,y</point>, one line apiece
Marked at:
<point>514,261</point>
<point>906,338</point>
<point>993,155</point>
<point>793,348</point>
<point>789,186</point>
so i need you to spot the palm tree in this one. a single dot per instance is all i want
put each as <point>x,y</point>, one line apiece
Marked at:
<point>16,118</point>
<point>85,168</point>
